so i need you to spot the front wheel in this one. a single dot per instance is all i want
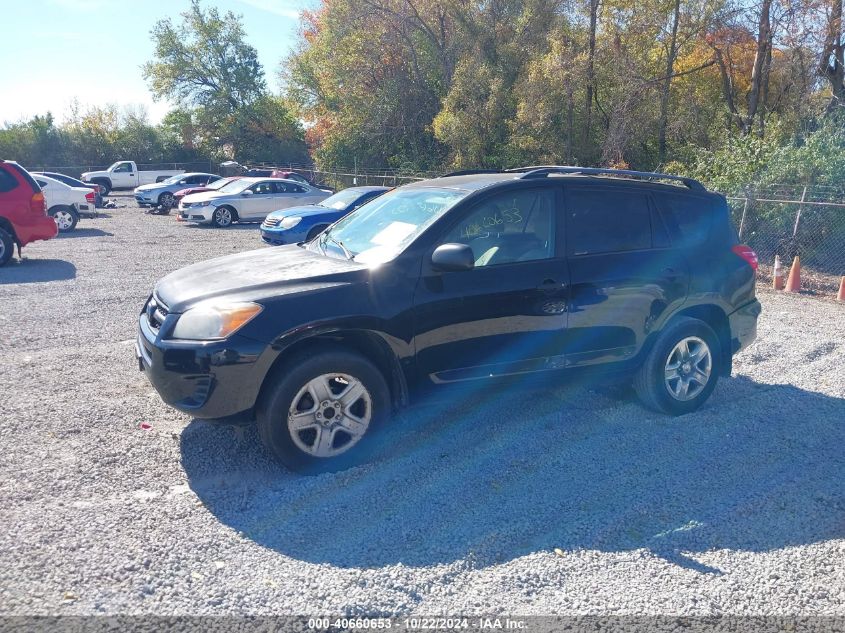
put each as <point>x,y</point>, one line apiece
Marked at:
<point>65,217</point>
<point>222,217</point>
<point>166,200</point>
<point>682,368</point>
<point>320,413</point>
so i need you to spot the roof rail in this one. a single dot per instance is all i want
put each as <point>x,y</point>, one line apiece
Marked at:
<point>541,171</point>
<point>471,172</point>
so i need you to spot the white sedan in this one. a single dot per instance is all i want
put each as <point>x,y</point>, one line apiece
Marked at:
<point>65,203</point>
<point>247,200</point>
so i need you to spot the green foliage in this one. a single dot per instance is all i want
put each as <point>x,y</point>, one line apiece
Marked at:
<point>205,65</point>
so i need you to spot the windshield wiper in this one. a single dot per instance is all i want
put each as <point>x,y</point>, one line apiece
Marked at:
<point>346,252</point>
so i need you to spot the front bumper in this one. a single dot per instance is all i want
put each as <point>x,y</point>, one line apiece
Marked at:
<point>206,379</point>
<point>743,324</point>
<point>196,214</point>
<point>279,237</point>
<point>146,198</point>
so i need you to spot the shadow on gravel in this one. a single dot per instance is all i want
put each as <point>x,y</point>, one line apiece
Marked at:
<point>84,233</point>
<point>29,271</point>
<point>760,467</point>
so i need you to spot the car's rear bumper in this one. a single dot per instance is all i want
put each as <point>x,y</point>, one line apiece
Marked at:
<point>208,380</point>
<point>36,227</point>
<point>743,324</point>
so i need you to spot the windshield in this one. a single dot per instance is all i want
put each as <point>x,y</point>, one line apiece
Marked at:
<point>173,180</point>
<point>380,230</point>
<point>236,186</point>
<point>217,184</point>
<point>342,199</point>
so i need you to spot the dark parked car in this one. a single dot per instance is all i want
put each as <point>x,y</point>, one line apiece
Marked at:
<point>301,224</point>
<point>23,210</point>
<point>73,182</point>
<point>549,273</point>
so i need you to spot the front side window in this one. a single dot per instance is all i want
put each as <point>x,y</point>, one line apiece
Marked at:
<point>507,228</point>
<point>123,167</point>
<point>607,221</point>
<point>377,232</point>
<point>263,188</point>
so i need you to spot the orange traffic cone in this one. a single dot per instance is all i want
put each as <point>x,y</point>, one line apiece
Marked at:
<point>841,295</point>
<point>793,283</point>
<point>777,284</point>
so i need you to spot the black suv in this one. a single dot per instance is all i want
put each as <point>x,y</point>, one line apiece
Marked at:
<point>533,274</point>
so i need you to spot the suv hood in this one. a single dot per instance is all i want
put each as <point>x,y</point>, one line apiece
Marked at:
<point>255,275</point>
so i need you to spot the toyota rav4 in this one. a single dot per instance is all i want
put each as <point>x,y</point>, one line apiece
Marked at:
<point>542,273</point>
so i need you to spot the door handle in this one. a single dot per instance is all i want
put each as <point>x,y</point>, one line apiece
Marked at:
<point>550,286</point>
<point>670,274</point>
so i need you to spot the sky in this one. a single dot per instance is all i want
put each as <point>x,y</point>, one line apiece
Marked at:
<point>57,51</point>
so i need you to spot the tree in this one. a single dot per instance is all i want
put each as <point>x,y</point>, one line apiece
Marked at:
<point>205,66</point>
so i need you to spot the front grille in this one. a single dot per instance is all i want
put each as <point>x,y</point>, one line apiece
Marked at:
<point>268,222</point>
<point>156,312</point>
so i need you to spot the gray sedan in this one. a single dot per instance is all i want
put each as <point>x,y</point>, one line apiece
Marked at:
<point>161,193</point>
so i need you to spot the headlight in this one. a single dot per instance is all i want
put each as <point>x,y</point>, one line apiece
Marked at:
<point>289,223</point>
<point>214,321</point>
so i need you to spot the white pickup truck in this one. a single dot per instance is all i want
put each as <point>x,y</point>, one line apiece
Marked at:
<point>124,174</point>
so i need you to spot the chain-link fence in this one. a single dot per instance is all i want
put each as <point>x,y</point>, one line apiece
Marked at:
<point>785,220</point>
<point>75,171</point>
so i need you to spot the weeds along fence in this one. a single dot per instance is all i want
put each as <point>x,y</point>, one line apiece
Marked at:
<point>785,220</point>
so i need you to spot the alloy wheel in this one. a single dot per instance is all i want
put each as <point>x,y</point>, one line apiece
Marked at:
<point>222,217</point>
<point>329,415</point>
<point>63,219</point>
<point>688,368</point>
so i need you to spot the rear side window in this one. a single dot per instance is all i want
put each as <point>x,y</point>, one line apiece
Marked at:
<point>688,218</point>
<point>24,174</point>
<point>607,221</point>
<point>7,181</point>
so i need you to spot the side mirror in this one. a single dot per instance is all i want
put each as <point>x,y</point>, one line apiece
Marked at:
<point>247,192</point>
<point>453,257</point>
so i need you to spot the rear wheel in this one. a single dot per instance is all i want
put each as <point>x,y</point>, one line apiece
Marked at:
<point>104,185</point>
<point>223,217</point>
<point>321,412</point>
<point>66,218</point>
<point>682,368</point>
<point>7,245</point>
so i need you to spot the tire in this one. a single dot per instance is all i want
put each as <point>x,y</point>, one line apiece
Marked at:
<point>660,380</point>
<point>223,217</point>
<point>314,232</point>
<point>66,218</point>
<point>291,390</point>
<point>166,200</point>
<point>7,246</point>
<point>105,187</point>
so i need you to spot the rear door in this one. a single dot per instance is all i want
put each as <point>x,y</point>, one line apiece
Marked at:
<point>625,275</point>
<point>507,315</point>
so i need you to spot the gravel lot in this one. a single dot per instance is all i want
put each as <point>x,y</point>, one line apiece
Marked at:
<point>566,502</point>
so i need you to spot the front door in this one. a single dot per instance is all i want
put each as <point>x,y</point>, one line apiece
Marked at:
<point>507,315</point>
<point>123,176</point>
<point>258,205</point>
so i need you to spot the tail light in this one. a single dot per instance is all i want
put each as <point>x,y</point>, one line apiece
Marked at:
<point>90,197</point>
<point>747,254</point>
<point>37,204</point>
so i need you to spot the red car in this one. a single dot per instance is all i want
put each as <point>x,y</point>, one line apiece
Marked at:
<point>23,211</point>
<point>214,185</point>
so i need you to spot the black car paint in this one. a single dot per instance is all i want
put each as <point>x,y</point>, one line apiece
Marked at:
<point>431,329</point>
